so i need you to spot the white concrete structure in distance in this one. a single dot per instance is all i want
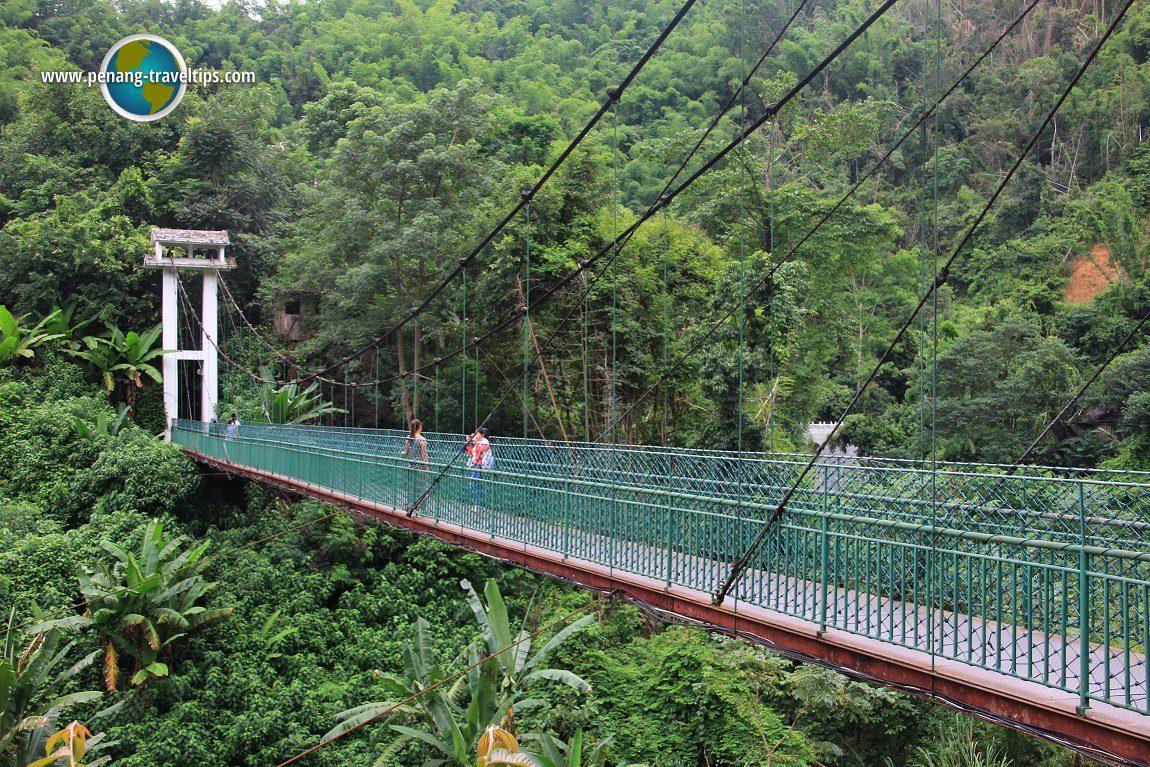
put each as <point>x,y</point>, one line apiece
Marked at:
<point>202,251</point>
<point>818,433</point>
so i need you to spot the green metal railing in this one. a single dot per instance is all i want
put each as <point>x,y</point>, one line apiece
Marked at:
<point>1009,572</point>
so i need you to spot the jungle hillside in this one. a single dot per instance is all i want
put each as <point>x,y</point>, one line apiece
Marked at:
<point>177,616</point>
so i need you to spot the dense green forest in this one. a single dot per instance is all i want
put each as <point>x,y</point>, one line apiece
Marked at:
<point>382,140</point>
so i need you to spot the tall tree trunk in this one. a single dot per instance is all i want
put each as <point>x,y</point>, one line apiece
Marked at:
<point>400,351</point>
<point>542,365</point>
<point>417,340</point>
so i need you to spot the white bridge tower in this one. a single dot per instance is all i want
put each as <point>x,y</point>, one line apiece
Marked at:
<point>204,252</point>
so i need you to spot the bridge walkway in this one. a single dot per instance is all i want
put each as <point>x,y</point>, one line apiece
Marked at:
<point>965,584</point>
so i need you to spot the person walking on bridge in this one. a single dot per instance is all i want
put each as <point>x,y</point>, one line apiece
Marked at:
<point>418,442</point>
<point>416,447</point>
<point>478,458</point>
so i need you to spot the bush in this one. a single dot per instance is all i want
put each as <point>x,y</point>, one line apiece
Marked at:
<point>45,463</point>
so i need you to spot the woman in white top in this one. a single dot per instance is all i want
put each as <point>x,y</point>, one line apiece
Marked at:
<point>417,476</point>
<point>416,439</point>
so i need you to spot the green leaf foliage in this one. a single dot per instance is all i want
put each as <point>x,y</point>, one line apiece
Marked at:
<point>381,143</point>
<point>681,695</point>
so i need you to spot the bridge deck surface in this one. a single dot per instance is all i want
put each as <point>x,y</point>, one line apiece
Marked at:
<point>964,583</point>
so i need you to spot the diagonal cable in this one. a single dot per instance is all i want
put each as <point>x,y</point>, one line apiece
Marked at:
<point>613,95</point>
<point>617,243</point>
<point>1082,390</point>
<point>741,564</point>
<point>698,343</point>
<point>663,201</point>
<point>738,93</point>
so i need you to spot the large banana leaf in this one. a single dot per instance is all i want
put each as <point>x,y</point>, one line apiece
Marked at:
<point>454,718</point>
<point>560,637</point>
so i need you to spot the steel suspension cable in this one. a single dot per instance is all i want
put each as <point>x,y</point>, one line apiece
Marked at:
<point>935,249</point>
<point>739,96</point>
<point>701,340</point>
<point>666,198</point>
<point>526,316</point>
<point>463,364</point>
<point>666,325</point>
<point>586,358</point>
<point>614,277</point>
<point>920,360</point>
<point>935,252</point>
<point>663,201</point>
<point>190,309</point>
<point>940,278</point>
<point>736,96</point>
<point>288,361</point>
<point>742,266</point>
<point>933,618</point>
<point>507,391</point>
<point>613,95</point>
<point>739,468</point>
<point>530,193</point>
<point>661,204</point>
<point>773,392</point>
<point>1081,390</point>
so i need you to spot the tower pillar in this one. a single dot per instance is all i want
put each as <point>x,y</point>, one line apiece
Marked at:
<point>204,252</point>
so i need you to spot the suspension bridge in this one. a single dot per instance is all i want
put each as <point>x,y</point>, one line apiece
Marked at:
<point>1021,597</point>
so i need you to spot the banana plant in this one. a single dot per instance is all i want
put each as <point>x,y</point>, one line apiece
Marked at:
<point>123,356</point>
<point>33,678</point>
<point>290,404</point>
<point>453,718</point>
<point>67,748</point>
<point>124,359</point>
<point>104,426</point>
<point>498,746</point>
<point>18,342</point>
<point>61,325</point>
<point>553,753</point>
<point>99,353</point>
<point>520,667</point>
<point>136,354</point>
<point>450,728</point>
<point>142,603</point>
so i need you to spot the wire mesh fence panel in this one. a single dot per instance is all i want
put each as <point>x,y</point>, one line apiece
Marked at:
<point>1040,574</point>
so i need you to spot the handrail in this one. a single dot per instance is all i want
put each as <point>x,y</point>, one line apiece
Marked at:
<point>970,535</point>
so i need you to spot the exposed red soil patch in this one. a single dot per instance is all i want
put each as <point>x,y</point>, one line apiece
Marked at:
<point>1090,275</point>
